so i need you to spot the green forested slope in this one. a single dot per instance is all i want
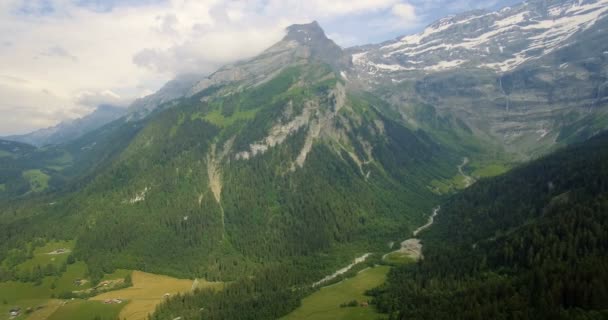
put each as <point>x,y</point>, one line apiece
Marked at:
<point>531,244</point>
<point>179,198</point>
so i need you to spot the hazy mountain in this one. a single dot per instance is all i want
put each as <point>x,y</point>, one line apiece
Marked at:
<point>172,90</point>
<point>70,130</point>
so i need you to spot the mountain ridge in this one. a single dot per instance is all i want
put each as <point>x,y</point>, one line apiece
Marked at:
<point>67,131</point>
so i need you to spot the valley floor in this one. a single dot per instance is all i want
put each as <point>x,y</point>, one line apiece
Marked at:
<point>325,303</point>
<point>147,292</point>
<point>132,303</point>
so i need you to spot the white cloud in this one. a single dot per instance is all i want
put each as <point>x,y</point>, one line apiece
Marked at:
<point>94,99</point>
<point>58,59</point>
<point>405,11</point>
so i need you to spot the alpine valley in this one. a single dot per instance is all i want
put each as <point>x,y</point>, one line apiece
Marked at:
<point>239,194</point>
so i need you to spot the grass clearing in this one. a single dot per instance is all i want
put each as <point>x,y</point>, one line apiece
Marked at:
<point>44,311</point>
<point>87,310</point>
<point>38,180</point>
<point>2,187</point>
<point>447,186</point>
<point>24,305</point>
<point>398,258</point>
<point>490,171</point>
<point>4,153</point>
<point>218,119</point>
<point>42,256</point>
<point>118,274</point>
<point>325,303</point>
<point>66,282</point>
<point>147,292</point>
<point>13,291</point>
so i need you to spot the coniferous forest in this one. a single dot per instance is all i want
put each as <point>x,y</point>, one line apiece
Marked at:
<point>531,244</point>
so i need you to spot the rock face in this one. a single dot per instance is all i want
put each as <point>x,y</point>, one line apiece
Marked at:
<point>303,43</point>
<point>527,77</point>
<point>172,90</point>
<point>500,41</point>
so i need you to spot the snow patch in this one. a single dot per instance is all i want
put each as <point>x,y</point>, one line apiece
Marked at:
<point>344,76</point>
<point>445,65</point>
<point>359,58</point>
<point>542,133</point>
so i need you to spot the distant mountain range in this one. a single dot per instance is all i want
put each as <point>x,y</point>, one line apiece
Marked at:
<point>70,130</point>
<point>527,77</point>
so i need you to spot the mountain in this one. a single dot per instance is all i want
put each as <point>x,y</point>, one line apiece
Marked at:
<point>269,162</point>
<point>71,130</point>
<point>275,171</point>
<point>530,244</point>
<point>528,77</point>
<point>174,89</point>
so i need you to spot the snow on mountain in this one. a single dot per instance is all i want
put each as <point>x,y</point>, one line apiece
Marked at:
<point>500,40</point>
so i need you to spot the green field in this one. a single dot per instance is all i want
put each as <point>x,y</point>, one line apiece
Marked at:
<point>457,182</point>
<point>13,292</point>
<point>66,282</point>
<point>218,119</point>
<point>4,153</point>
<point>118,274</point>
<point>147,292</point>
<point>42,257</point>
<point>490,171</point>
<point>87,310</point>
<point>34,304</point>
<point>398,258</point>
<point>325,303</point>
<point>39,181</point>
<point>40,296</point>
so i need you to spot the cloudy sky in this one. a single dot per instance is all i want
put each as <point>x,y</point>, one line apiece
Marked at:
<point>59,59</point>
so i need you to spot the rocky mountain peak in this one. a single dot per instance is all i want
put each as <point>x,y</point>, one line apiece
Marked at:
<point>306,33</point>
<point>312,36</point>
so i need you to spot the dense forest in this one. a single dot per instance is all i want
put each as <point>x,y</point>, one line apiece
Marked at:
<point>531,244</point>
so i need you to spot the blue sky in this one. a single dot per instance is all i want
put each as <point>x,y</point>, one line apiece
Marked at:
<point>61,58</point>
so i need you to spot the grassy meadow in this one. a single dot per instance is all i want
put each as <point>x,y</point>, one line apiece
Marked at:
<point>325,303</point>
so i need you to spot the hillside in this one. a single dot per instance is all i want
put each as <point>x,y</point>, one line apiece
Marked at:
<point>529,244</point>
<point>267,162</point>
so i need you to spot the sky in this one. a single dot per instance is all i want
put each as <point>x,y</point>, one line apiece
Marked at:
<point>60,59</point>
